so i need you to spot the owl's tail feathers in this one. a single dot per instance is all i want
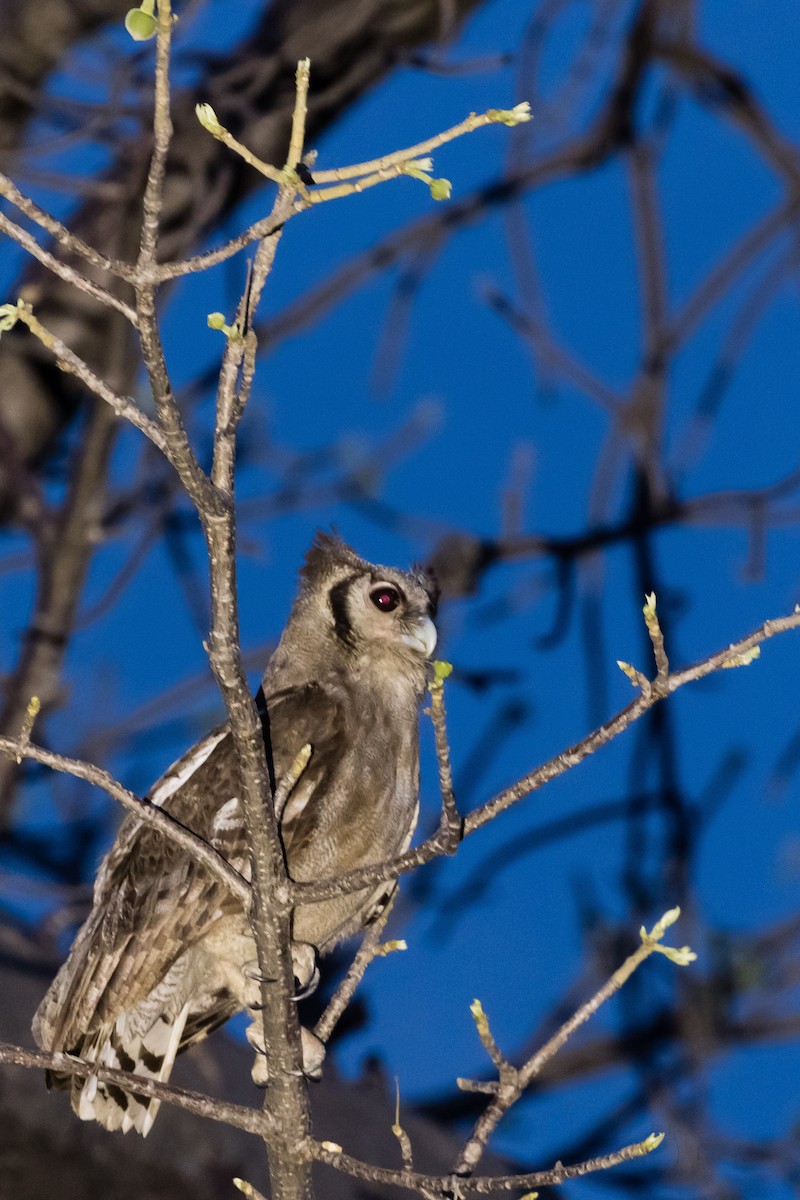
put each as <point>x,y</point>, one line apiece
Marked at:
<point>150,1054</point>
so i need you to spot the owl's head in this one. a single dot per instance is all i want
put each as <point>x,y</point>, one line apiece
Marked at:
<point>349,610</point>
<point>372,607</point>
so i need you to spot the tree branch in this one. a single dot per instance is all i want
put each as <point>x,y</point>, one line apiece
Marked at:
<point>455,1185</point>
<point>251,1120</point>
<point>352,881</point>
<point>149,814</point>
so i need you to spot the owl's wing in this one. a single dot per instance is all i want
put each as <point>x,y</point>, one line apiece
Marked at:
<point>136,988</point>
<point>152,901</point>
<point>311,714</point>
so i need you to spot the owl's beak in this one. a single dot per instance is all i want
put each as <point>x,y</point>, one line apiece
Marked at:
<point>422,638</point>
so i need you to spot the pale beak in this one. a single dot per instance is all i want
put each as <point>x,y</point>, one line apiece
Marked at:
<point>422,638</point>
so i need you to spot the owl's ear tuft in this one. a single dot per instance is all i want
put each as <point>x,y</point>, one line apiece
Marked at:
<point>326,555</point>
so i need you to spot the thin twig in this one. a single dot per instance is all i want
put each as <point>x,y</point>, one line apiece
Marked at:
<point>611,729</point>
<point>64,270</point>
<point>297,140</point>
<point>513,1082</point>
<point>353,881</point>
<point>238,363</point>
<point>369,949</point>
<point>451,1185</point>
<point>451,826</point>
<point>474,121</point>
<point>287,784</point>
<point>149,814</point>
<point>162,135</point>
<point>68,361</point>
<point>208,119</point>
<point>247,1189</point>
<point>363,184</point>
<point>488,1042</point>
<point>656,636</point>
<point>202,262</point>
<point>406,1152</point>
<point>61,234</point>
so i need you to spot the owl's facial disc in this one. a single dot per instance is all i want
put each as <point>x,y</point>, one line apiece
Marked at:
<point>377,611</point>
<point>422,637</point>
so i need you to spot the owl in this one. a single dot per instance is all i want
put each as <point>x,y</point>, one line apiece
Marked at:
<point>166,954</point>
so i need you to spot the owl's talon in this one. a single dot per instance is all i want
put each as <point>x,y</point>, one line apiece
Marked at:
<point>313,1054</point>
<point>304,968</point>
<point>305,991</point>
<point>259,1072</point>
<point>255,1037</point>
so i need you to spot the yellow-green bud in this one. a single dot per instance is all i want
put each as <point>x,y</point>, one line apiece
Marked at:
<point>208,119</point>
<point>441,189</point>
<point>141,22</point>
<point>511,116</point>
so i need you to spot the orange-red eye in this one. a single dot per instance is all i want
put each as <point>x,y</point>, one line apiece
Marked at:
<point>385,597</point>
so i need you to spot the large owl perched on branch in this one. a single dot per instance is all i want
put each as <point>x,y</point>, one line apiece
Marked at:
<point>166,954</point>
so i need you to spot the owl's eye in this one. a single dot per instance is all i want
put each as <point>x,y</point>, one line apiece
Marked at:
<point>385,597</point>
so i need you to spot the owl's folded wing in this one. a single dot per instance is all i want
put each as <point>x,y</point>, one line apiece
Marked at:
<point>151,900</point>
<point>311,714</point>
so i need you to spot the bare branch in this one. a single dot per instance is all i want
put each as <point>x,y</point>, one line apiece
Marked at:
<point>654,632</point>
<point>162,135</point>
<point>369,950</point>
<point>474,121</point>
<point>611,729</point>
<point>239,357</point>
<point>451,826</point>
<point>352,881</point>
<point>453,1185</point>
<point>487,1039</point>
<point>69,241</point>
<point>513,1082</point>
<point>251,1120</point>
<point>173,439</point>
<point>149,814</point>
<point>64,270</point>
<point>68,361</point>
<point>299,115</point>
<point>161,272</point>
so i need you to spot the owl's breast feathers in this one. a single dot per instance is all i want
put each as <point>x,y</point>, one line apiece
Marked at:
<point>158,964</point>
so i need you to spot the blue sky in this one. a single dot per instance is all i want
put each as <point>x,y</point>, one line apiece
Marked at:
<point>484,399</point>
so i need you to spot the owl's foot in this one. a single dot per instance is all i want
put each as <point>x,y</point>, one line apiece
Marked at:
<point>313,1054</point>
<point>304,968</point>
<point>259,1072</point>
